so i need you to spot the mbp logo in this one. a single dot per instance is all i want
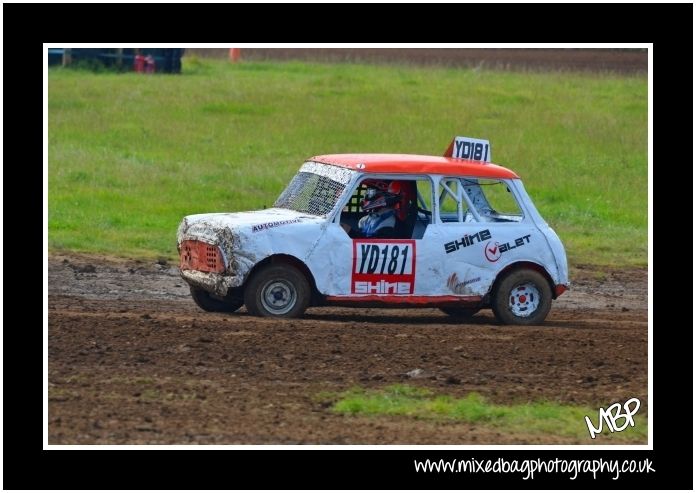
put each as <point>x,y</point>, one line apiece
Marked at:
<point>383,267</point>
<point>612,416</point>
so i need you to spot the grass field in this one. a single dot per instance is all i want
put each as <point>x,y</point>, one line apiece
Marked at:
<point>130,155</point>
<point>542,418</point>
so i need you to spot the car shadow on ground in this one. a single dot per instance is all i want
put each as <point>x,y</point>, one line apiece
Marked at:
<point>478,319</point>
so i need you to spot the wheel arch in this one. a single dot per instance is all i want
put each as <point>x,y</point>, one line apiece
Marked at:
<point>523,265</point>
<point>282,258</point>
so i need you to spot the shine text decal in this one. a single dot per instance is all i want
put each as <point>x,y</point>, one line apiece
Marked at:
<point>467,240</point>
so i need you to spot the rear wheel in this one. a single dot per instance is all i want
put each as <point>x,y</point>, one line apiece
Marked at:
<point>277,291</point>
<point>208,303</point>
<point>460,313</point>
<point>523,297</point>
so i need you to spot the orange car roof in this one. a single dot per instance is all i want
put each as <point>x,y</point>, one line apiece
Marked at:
<point>415,164</point>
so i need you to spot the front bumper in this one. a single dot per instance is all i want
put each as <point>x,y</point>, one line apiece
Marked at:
<point>211,282</point>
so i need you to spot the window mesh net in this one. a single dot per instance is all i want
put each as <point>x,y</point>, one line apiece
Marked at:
<point>310,193</point>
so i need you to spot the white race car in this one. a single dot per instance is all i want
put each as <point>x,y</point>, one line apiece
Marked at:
<point>463,235</point>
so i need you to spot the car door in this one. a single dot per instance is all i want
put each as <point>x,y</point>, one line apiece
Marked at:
<point>370,267</point>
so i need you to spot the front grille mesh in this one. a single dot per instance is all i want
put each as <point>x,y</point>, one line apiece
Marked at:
<point>200,256</point>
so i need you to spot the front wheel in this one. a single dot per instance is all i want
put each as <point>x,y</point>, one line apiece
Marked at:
<point>206,301</point>
<point>523,297</point>
<point>277,291</point>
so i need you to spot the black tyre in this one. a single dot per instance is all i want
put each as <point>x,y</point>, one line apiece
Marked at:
<point>522,297</point>
<point>277,291</point>
<point>460,313</point>
<point>206,301</point>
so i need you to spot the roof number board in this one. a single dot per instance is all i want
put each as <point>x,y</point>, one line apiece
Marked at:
<point>473,149</point>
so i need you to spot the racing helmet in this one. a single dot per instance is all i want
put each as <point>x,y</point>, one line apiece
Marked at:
<point>376,198</point>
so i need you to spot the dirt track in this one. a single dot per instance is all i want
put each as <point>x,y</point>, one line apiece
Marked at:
<point>133,360</point>
<point>536,59</point>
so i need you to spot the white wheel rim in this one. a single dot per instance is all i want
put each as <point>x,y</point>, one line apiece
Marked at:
<point>524,299</point>
<point>278,297</point>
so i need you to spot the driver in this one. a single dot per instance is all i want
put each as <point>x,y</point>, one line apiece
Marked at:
<point>381,208</point>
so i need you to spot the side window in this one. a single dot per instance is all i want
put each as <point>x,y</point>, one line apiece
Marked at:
<point>388,208</point>
<point>492,199</point>
<point>476,200</point>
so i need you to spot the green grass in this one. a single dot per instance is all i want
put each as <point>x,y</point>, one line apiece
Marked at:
<point>544,418</point>
<point>130,155</point>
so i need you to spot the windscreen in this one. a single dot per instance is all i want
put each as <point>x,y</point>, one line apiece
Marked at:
<point>314,189</point>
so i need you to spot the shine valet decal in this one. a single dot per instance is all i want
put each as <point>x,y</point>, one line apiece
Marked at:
<point>383,267</point>
<point>494,250</point>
